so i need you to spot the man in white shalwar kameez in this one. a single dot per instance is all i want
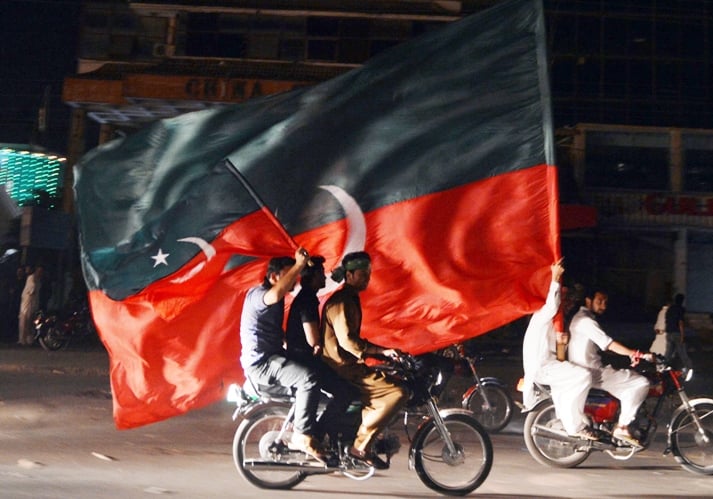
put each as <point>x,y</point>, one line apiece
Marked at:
<point>587,339</point>
<point>569,383</point>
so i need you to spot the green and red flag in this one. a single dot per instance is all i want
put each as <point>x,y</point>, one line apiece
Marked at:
<point>436,157</point>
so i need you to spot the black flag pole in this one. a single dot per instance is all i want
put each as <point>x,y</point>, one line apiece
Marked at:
<point>256,197</point>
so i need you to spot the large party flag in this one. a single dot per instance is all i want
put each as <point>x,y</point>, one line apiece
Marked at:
<point>435,157</point>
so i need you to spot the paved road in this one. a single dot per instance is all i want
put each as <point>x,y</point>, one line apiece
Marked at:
<point>57,440</point>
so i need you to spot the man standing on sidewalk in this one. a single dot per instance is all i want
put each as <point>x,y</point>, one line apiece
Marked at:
<point>676,333</point>
<point>29,306</point>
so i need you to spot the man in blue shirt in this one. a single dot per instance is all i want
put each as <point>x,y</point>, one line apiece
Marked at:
<point>263,357</point>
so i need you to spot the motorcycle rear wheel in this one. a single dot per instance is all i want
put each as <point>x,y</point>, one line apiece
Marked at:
<point>688,446</point>
<point>546,446</point>
<point>453,474</point>
<point>53,339</point>
<point>496,414</point>
<point>251,444</point>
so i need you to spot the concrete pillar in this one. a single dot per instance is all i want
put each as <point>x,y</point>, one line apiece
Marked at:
<point>680,262</point>
<point>676,164</point>
<point>578,158</point>
<point>75,151</point>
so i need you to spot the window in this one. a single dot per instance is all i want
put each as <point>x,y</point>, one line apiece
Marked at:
<point>698,163</point>
<point>562,76</point>
<point>562,30</point>
<point>588,35</point>
<point>321,50</point>
<point>616,79</point>
<point>615,39</point>
<point>588,75</point>
<point>627,160</point>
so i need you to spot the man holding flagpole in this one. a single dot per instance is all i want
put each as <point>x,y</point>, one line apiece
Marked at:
<point>263,357</point>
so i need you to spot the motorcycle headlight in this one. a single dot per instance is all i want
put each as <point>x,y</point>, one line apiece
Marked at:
<point>233,393</point>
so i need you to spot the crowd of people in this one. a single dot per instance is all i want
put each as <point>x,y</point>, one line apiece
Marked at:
<point>327,352</point>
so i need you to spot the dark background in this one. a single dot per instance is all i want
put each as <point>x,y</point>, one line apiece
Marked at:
<point>38,47</point>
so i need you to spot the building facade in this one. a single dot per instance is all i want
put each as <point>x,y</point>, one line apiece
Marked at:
<point>632,96</point>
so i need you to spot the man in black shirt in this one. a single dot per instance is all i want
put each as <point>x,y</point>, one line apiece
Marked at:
<point>675,333</point>
<point>304,344</point>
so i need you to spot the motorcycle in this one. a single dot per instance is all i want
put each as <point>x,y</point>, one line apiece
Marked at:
<point>488,398</point>
<point>690,429</point>
<point>55,331</point>
<point>450,451</point>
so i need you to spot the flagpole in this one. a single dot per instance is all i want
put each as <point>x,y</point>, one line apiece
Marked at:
<point>256,197</point>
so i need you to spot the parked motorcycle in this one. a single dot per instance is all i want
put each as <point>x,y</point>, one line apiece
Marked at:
<point>488,398</point>
<point>690,429</point>
<point>56,330</point>
<point>451,452</point>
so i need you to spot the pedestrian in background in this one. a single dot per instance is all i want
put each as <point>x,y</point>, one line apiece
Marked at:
<point>676,333</point>
<point>658,346</point>
<point>29,306</point>
<point>16,285</point>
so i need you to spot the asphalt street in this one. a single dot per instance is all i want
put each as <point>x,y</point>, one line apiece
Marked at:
<point>57,440</point>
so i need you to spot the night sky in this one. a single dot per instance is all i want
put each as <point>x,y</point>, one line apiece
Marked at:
<point>38,40</point>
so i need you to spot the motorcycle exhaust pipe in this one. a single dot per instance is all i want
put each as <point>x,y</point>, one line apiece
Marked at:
<point>562,436</point>
<point>258,465</point>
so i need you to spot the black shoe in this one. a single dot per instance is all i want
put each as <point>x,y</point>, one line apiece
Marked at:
<point>369,459</point>
<point>377,462</point>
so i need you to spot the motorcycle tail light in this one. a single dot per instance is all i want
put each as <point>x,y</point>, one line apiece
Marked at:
<point>656,390</point>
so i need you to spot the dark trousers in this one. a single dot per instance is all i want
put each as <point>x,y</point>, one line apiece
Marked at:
<point>675,347</point>
<point>342,393</point>
<point>277,369</point>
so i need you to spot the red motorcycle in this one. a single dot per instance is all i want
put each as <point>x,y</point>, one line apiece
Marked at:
<point>55,330</point>
<point>690,429</point>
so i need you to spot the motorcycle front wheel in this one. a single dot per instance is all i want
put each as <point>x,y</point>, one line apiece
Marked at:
<point>547,441</point>
<point>253,452</point>
<point>53,339</point>
<point>453,473</point>
<point>491,405</point>
<point>691,447</point>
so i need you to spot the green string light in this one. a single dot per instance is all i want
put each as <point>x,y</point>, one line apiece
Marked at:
<point>26,174</point>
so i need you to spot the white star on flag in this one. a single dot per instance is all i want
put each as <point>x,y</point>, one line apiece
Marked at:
<point>160,258</point>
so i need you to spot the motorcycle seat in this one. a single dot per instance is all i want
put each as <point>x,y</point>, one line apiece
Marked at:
<point>598,392</point>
